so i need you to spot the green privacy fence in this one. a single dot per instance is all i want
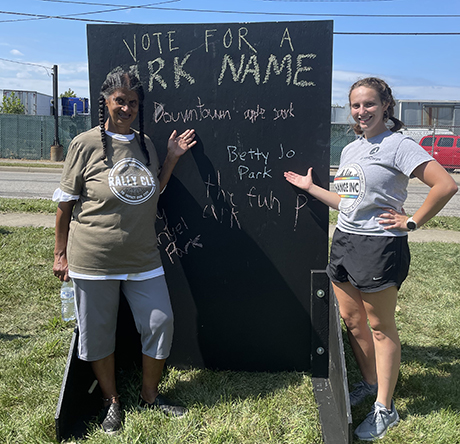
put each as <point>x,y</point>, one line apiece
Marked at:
<point>31,137</point>
<point>341,136</point>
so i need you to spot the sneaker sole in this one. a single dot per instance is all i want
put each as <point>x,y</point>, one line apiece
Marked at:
<point>157,409</point>
<point>111,433</point>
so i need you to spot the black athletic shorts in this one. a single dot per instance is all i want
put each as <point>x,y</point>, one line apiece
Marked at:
<point>369,263</point>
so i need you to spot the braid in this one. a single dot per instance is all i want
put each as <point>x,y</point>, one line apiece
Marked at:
<point>141,133</point>
<point>122,79</point>
<point>386,97</point>
<point>102,126</point>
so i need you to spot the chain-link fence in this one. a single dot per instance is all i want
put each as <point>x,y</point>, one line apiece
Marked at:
<point>31,137</point>
<point>341,136</point>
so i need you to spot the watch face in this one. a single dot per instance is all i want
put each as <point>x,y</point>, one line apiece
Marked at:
<point>411,225</point>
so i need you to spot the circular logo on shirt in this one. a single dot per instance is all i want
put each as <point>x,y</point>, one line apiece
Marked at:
<point>374,150</point>
<point>131,181</point>
<point>350,185</point>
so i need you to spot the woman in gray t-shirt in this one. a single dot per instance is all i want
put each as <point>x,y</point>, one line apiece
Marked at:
<point>106,241</point>
<point>370,256</point>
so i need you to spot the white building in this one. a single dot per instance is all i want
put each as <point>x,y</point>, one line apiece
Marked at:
<point>35,103</point>
<point>429,114</point>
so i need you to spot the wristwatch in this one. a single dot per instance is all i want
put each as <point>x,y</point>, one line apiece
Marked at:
<point>411,224</point>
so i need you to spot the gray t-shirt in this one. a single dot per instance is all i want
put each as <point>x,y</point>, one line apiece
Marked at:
<point>373,177</point>
<point>113,225</point>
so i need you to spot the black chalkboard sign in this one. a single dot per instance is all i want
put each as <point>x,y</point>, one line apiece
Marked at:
<point>238,241</point>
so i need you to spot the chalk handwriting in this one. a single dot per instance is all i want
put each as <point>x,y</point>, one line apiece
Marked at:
<point>290,154</point>
<point>286,63</point>
<point>154,74</point>
<point>171,40</point>
<point>249,65</point>
<point>252,67</point>
<point>300,203</point>
<point>179,72</point>
<point>207,35</point>
<point>301,69</point>
<point>146,43</point>
<point>284,113</point>
<point>263,201</point>
<point>249,68</point>
<point>171,236</point>
<point>234,155</point>
<point>197,114</point>
<point>245,172</point>
<point>133,51</point>
<point>253,114</point>
<point>154,40</point>
<point>173,249</point>
<point>220,211</point>
<point>287,37</point>
<point>219,191</point>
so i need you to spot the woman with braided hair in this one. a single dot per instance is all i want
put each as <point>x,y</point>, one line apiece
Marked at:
<point>370,257</point>
<point>106,241</point>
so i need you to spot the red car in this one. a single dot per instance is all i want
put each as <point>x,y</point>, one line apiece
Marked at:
<point>445,149</point>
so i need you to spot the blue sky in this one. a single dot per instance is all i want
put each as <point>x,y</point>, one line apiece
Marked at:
<point>417,67</point>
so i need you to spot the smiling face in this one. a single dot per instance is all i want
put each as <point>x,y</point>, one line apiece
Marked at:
<point>123,106</point>
<point>367,111</point>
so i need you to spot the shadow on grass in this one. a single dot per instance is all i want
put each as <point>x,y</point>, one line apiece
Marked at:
<point>427,381</point>
<point>7,337</point>
<point>208,388</point>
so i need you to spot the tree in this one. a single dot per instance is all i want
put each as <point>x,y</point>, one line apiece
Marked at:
<point>12,105</point>
<point>68,93</point>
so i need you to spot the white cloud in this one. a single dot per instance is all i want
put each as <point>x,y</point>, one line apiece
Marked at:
<point>403,87</point>
<point>72,68</point>
<point>24,75</point>
<point>35,77</point>
<point>16,52</point>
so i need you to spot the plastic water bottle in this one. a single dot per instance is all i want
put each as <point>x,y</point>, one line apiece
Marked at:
<point>67,301</point>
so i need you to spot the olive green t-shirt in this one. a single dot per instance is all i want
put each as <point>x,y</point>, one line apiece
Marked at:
<point>113,223</point>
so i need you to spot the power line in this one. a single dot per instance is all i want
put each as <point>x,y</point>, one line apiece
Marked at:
<point>71,16</point>
<point>153,6</point>
<point>109,5</point>
<point>59,17</point>
<point>27,63</point>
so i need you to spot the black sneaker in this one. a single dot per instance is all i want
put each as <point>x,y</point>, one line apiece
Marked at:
<point>113,417</point>
<point>165,405</point>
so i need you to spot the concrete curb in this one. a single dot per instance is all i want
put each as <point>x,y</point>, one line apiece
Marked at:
<point>48,221</point>
<point>24,169</point>
<point>424,235</point>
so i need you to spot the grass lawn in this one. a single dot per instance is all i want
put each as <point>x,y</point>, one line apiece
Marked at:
<point>225,407</point>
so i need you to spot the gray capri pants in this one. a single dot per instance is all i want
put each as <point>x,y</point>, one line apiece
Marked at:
<point>97,308</point>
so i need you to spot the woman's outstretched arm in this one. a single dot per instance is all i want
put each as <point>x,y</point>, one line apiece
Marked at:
<point>305,183</point>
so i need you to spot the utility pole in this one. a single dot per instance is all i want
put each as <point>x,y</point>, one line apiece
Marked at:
<point>57,151</point>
